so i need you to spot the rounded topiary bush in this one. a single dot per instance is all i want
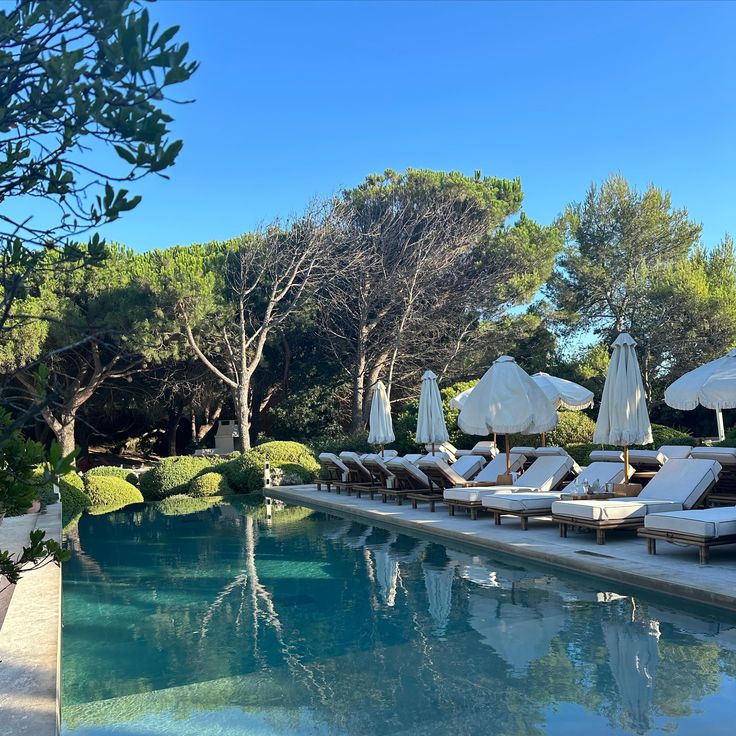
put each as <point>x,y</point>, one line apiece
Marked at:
<point>664,435</point>
<point>112,471</point>
<point>172,475</point>
<point>244,471</point>
<point>289,474</point>
<point>289,452</point>
<point>104,490</point>
<point>73,497</point>
<point>211,483</point>
<point>573,427</point>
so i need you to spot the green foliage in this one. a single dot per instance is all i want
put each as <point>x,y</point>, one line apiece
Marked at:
<point>573,427</point>
<point>244,471</point>
<point>339,441</point>
<point>38,553</point>
<point>171,476</point>
<point>289,452</point>
<point>73,498</point>
<point>110,492</point>
<point>180,505</point>
<point>76,76</point>
<point>286,473</point>
<point>663,435</point>
<point>112,471</point>
<point>210,483</point>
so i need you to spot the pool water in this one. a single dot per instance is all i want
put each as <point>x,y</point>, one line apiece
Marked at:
<point>226,622</point>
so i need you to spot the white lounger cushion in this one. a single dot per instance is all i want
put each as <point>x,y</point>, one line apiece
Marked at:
<point>647,457</point>
<point>402,464</point>
<point>708,523</point>
<point>486,448</point>
<point>352,458</point>
<point>724,455</point>
<point>376,462</point>
<point>600,473</point>
<point>497,467</point>
<point>388,454</point>
<point>471,494</point>
<point>614,509</point>
<point>522,450</point>
<point>464,469</point>
<point>329,457</point>
<point>412,457</point>
<point>545,473</point>
<point>520,501</point>
<point>676,452</point>
<point>551,450</point>
<point>678,484</point>
<point>606,456</point>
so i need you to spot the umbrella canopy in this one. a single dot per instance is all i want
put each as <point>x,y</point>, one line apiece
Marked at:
<point>431,428</point>
<point>456,402</point>
<point>623,418</point>
<point>563,393</point>
<point>381,426</point>
<point>506,400</point>
<point>712,385</point>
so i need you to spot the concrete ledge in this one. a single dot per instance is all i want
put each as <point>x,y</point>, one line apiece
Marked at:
<point>30,643</point>
<point>623,559</point>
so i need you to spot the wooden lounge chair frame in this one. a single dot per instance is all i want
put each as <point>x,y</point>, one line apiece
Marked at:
<point>701,542</point>
<point>601,526</point>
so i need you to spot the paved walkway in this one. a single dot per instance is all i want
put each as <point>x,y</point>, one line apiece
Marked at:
<point>29,637</point>
<point>624,559</point>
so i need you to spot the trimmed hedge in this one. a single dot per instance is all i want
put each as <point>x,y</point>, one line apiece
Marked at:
<point>73,497</point>
<point>112,471</point>
<point>285,474</point>
<point>108,491</point>
<point>210,483</point>
<point>171,476</point>
<point>244,472</point>
<point>289,452</point>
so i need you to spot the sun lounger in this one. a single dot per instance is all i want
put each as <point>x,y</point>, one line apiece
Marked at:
<point>442,475</point>
<point>545,473</point>
<point>409,479</point>
<point>724,493</point>
<point>359,476</point>
<point>539,503</point>
<point>484,448</point>
<point>334,471</point>
<point>678,485</point>
<point>676,452</point>
<point>381,474</point>
<point>471,489</point>
<point>703,528</point>
<point>412,457</point>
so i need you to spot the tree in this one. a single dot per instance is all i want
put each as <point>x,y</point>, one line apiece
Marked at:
<point>614,237</point>
<point>422,260</point>
<point>233,296</point>
<point>76,77</point>
<point>105,328</point>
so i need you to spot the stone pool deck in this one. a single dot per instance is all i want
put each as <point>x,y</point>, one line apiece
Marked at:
<point>29,636</point>
<point>673,571</point>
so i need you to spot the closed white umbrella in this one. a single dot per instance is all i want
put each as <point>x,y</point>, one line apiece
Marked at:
<point>622,417</point>
<point>712,385</point>
<point>381,427</point>
<point>431,427</point>
<point>505,401</point>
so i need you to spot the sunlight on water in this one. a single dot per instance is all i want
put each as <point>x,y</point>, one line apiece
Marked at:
<point>225,622</point>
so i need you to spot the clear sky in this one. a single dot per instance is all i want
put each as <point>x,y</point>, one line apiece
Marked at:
<point>297,100</point>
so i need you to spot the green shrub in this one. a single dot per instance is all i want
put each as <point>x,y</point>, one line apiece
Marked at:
<point>112,471</point>
<point>286,474</point>
<point>210,483</point>
<point>180,505</point>
<point>573,427</point>
<point>244,472</point>
<point>289,452</point>
<point>108,491</point>
<point>664,435</point>
<point>172,475</point>
<point>340,441</point>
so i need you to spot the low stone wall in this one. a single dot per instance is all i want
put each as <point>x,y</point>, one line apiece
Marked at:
<point>30,637</point>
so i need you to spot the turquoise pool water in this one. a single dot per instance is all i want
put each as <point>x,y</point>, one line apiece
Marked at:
<point>224,622</point>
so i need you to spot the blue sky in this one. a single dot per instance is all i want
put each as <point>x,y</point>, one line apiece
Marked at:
<point>297,100</point>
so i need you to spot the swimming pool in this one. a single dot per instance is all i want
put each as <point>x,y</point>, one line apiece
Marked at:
<point>226,622</point>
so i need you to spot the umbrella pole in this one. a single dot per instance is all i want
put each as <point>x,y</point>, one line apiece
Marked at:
<point>508,456</point>
<point>433,449</point>
<point>544,439</point>
<point>626,463</point>
<point>381,451</point>
<point>494,441</point>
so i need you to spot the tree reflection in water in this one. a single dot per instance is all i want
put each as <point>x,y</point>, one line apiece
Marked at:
<point>310,622</point>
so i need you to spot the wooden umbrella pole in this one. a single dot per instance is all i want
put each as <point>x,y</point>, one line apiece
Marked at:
<point>626,463</point>
<point>433,449</point>
<point>544,439</point>
<point>381,452</point>
<point>508,456</point>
